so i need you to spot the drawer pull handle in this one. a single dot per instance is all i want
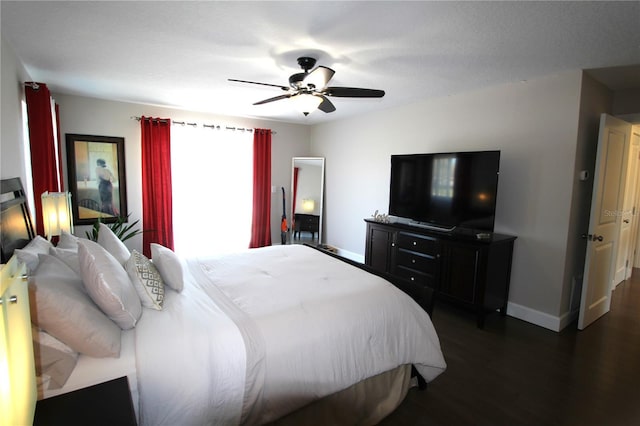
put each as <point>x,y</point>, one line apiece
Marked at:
<point>13,299</point>
<point>413,261</point>
<point>415,243</point>
<point>413,279</point>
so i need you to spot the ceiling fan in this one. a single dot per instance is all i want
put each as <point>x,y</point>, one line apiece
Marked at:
<point>310,90</point>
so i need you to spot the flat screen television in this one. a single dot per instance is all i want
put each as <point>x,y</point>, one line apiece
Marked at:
<point>446,190</point>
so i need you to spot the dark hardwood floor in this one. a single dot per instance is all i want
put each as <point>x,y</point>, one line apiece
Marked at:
<point>516,373</point>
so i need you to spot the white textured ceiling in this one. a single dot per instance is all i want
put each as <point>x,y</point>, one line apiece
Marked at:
<point>180,54</point>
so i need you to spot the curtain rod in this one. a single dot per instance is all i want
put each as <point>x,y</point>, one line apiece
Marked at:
<point>210,126</point>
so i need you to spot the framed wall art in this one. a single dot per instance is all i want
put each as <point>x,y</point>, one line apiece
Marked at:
<point>97,180</point>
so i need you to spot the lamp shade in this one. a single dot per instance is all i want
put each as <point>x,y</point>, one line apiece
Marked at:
<point>308,205</point>
<point>306,103</point>
<point>56,213</point>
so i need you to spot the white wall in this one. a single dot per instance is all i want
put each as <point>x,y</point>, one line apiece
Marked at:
<point>534,124</point>
<point>594,99</point>
<point>107,118</point>
<point>13,75</point>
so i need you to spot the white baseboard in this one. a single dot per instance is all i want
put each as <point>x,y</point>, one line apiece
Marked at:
<point>351,255</point>
<point>541,319</point>
<point>568,318</point>
<point>523,313</point>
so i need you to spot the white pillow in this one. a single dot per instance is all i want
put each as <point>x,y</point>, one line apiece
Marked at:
<point>54,360</point>
<point>69,257</point>
<point>61,307</point>
<point>169,265</point>
<point>108,284</point>
<point>29,253</point>
<point>113,244</point>
<point>67,241</point>
<point>146,280</point>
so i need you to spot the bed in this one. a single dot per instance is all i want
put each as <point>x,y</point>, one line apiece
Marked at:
<point>277,335</point>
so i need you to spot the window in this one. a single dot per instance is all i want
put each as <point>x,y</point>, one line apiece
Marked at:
<point>26,147</point>
<point>212,180</point>
<point>444,170</point>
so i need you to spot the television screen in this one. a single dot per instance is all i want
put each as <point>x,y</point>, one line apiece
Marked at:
<point>446,190</point>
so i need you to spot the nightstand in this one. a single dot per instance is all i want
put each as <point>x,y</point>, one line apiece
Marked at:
<point>306,223</point>
<point>107,403</point>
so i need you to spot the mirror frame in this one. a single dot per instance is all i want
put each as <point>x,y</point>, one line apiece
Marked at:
<point>321,163</point>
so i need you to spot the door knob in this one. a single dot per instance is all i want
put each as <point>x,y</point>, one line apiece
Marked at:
<point>598,237</point>
<point>592,237</point>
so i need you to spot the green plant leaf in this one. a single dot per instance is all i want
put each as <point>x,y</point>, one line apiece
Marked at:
<point>93,235</point>
<point>120,228</point>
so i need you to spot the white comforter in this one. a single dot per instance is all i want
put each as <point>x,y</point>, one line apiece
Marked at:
<point>256,335</point>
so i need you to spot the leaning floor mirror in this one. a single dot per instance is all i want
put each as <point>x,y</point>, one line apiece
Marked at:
<point>307,193</point>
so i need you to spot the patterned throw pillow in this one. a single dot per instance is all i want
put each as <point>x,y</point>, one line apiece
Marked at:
<point>146,279</point>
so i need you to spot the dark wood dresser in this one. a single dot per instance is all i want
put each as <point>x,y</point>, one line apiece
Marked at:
<point>460,267</point>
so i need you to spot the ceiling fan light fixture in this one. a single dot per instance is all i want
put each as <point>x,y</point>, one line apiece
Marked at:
<point>309,91</point>
<point>306,103</point>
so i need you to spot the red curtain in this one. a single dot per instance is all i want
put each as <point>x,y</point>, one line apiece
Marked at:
<point>261,219</point>
<point>157,203</point>
<point>294,196</point>
<point>46,173</point>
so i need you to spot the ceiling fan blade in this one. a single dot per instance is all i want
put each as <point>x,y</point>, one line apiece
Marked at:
<point>261,84</point>
<point>319,77</point>
<point>275,98</point>
<point>353,92</point>
<point>326,105</point>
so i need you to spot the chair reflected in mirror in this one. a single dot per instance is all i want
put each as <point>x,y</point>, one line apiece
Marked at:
<point>90,204</point>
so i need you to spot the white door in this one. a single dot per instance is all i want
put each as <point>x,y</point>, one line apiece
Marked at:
<point>635,229</point>
<point>604,222</point>
<point>624,258</point>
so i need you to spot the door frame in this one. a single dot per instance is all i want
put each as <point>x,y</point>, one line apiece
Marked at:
<point>629,207</point>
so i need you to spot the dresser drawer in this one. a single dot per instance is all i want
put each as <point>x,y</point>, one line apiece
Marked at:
<point>415,260</point>
<point>413,276</point>
<point>419,243</point>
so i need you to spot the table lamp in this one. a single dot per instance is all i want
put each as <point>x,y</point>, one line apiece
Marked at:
<point>308,205</point>
<point>56,213</point>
